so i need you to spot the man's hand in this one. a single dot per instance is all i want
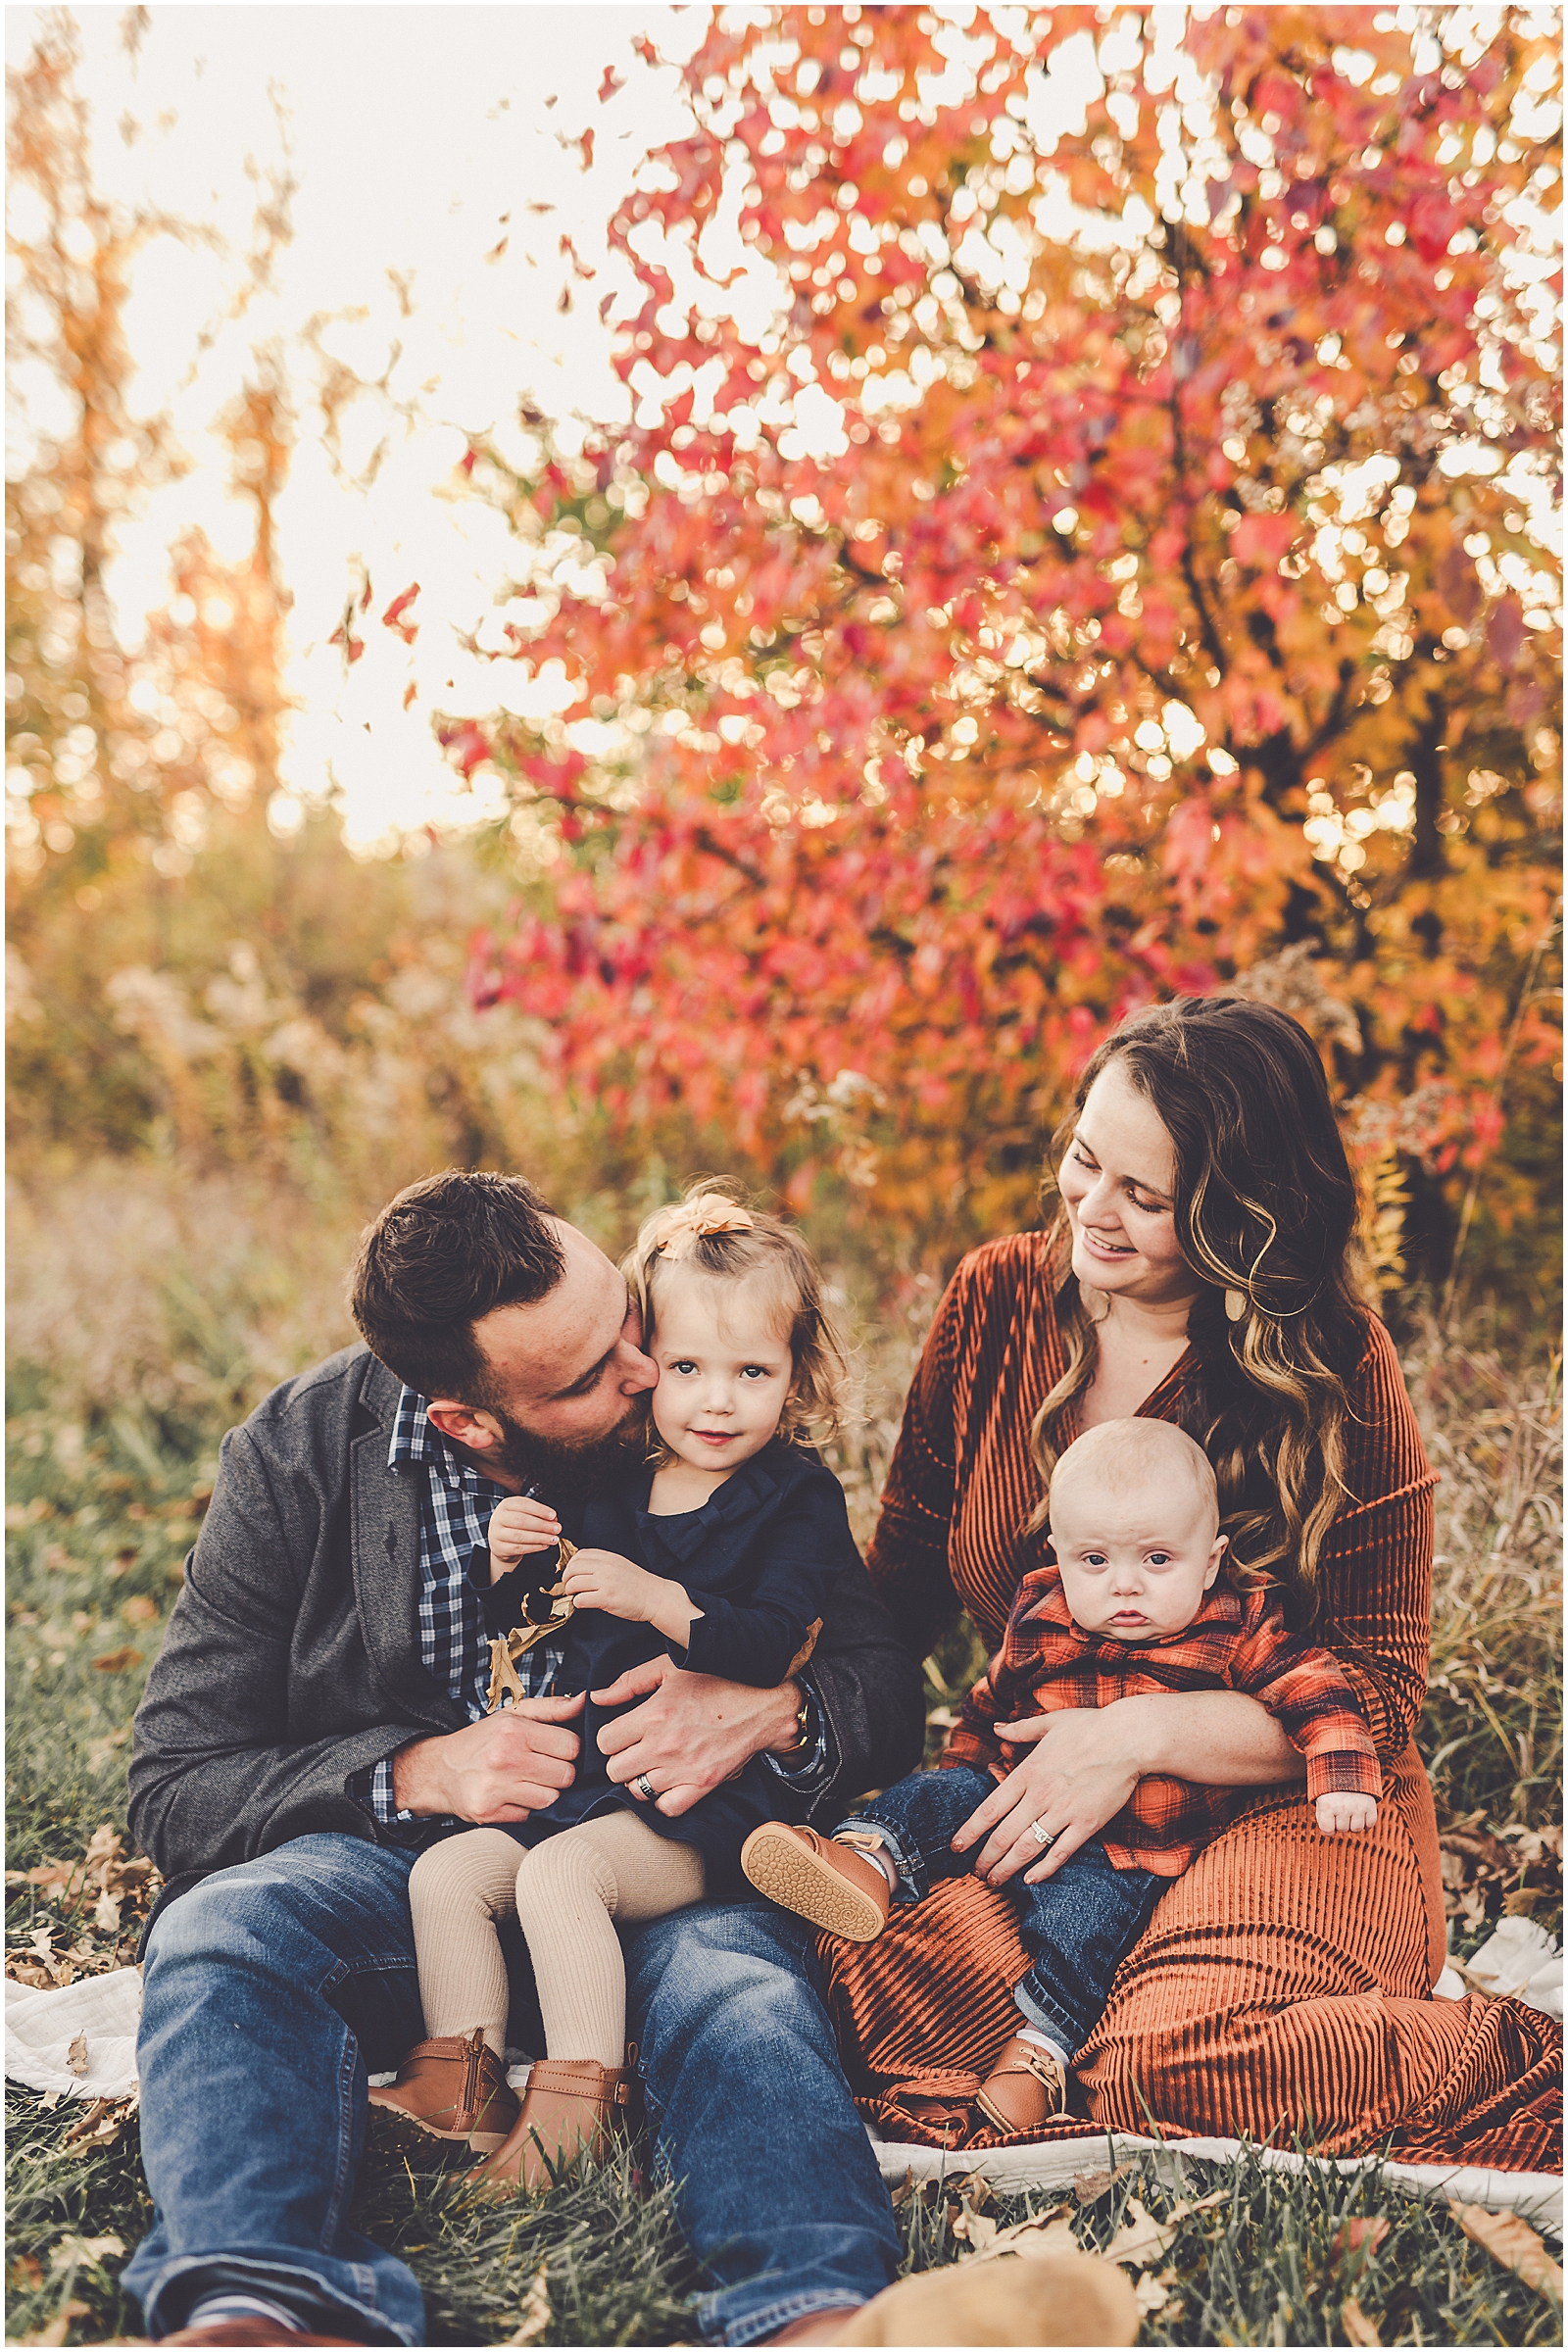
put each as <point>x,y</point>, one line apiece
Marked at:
<point>519,1527</point>
<point>1346,1810</point>
<point>503,1768</point>
<point>692,1731</point>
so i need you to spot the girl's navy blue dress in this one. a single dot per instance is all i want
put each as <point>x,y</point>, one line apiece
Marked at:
<point>760,1561</point>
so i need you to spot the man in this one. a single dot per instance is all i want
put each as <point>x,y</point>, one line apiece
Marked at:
<point>317,1715</point>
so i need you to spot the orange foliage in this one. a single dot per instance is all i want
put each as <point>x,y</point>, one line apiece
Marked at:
<point>1051,610</point>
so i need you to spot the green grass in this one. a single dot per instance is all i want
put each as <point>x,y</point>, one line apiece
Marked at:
<point>104,1496</point>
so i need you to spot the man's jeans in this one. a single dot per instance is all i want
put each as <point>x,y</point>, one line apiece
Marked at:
<point>271,1988</point>
<point>1076,1926</point>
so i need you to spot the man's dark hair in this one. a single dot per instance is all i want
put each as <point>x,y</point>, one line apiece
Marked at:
<point>445,1253</point>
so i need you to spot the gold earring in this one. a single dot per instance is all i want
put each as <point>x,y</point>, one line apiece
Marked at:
<point>1235,1306</point>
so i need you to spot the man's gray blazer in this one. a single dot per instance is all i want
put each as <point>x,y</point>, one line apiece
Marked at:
<point>292,1658</point>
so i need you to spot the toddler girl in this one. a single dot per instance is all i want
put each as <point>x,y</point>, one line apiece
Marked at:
<point>720,1554</point>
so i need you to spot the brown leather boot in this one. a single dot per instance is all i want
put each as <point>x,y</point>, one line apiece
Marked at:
<point>1025,2088</point>
<point>820,1879</point>
<point>453,2087</point>
<point>567,2111</point>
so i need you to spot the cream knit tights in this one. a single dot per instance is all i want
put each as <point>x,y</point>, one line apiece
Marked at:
<point>566,1892</point>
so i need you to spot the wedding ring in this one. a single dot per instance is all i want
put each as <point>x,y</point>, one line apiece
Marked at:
<point>645,1786</point>
<point>1042,1837</point>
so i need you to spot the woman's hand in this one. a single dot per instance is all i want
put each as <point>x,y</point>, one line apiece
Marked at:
<point>1078,1776</point>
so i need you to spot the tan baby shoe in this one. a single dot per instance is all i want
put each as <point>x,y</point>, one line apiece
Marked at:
<point>820,1879</point>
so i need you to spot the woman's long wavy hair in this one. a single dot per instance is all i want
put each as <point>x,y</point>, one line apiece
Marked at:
<point>1265,1209</point>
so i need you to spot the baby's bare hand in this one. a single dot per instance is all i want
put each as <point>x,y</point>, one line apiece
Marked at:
<point>519,1527</point>
<point>1345,1812</point>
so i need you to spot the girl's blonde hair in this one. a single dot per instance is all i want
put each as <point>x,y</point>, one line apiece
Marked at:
<point>712,1231</point>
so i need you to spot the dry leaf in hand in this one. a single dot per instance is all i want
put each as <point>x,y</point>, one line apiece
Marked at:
<point>1141,2239</point>
<point>535,2313</point>
<point>1513,2243</point>
<point>1357,2328</point>
<point>76,2055</point>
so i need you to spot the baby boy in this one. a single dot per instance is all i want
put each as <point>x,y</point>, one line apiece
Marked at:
<point>1133,1601</point>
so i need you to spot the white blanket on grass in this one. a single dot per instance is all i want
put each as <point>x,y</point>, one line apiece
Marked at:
<point>98,2017</point>
<point>43,2026</point>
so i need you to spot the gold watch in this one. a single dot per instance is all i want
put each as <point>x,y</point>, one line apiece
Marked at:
<point>803,1730</point>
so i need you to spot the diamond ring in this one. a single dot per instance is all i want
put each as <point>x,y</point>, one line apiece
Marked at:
<point>645,1786</point>
<point>1042,1837</point>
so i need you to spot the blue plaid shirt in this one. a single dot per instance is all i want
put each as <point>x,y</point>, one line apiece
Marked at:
<point>455,1511</point>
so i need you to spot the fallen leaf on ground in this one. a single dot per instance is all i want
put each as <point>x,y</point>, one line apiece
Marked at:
<point>50,2101</point>
<point>905,2188</point>
<point>1513,2243</point>
<point>106,1913</point>
<point>1357,2328</point>
<point>1089,2187</point>
<point>71,2252</point>
<point>25,2272</point>
<point>536,2314</point>
<point>76,2055</point>
<point>60,2326</point>
<point>102,2123</point>
<point>1151,2294</point>
<point>1361,2235</point>
<point>140,1609</point>
<point>1141,2239</point>
<point>51,1874</point>
<point>976,2230</point>
<point>1036,2240</point>
<point>117,1661</point>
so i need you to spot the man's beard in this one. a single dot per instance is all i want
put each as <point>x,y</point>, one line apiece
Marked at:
<point>568,1473</point>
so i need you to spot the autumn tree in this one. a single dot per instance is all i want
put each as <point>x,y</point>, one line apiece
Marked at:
<point>126,752</point>
<point>115,752</point>
<point>1097,558</point>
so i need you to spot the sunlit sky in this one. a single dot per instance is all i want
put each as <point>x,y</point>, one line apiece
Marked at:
<point>419,137</point>
<point>438,171</point>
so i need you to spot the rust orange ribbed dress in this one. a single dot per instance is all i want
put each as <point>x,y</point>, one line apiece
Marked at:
<point>1282,1988</point>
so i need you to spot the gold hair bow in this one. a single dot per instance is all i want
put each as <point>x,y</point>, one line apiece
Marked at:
<point>689,1221</point>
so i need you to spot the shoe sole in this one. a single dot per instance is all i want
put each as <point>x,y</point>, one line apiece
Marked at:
<point>398,2124</point>
<point>791,1875</point>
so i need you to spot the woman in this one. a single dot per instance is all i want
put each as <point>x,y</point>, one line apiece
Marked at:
<point>1200,1271</point>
